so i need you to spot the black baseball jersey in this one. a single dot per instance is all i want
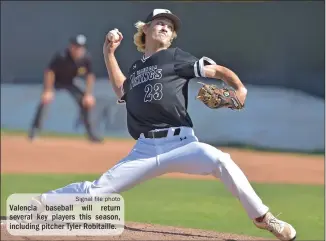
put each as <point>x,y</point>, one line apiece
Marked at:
<point>156,90</point>
<point>66,69</point>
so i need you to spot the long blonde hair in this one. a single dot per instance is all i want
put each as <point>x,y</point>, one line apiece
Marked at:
<point>139,36</point>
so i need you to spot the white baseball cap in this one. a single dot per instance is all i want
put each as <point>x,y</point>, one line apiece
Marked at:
<point>156,13</point>
<point>79,40</point>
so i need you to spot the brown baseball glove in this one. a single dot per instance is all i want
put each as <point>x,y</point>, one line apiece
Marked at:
<point>214,97</point>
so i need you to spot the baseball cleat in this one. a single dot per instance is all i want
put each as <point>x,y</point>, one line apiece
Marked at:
<point>282,230</point>
<point>95,139</point>
<point>35,201</point>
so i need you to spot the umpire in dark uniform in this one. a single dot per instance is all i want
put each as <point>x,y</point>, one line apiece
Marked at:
<point>59,75</point>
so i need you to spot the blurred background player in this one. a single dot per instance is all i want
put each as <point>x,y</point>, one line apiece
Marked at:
<point>73,62</point>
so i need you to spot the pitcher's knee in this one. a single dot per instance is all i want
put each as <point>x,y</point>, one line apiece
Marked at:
<point>214,155</point>
<point>225,159</point>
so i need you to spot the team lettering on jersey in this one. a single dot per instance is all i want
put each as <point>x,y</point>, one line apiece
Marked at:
<point>144,75</point>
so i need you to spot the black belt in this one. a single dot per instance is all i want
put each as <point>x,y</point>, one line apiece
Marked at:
<point>161,134</point>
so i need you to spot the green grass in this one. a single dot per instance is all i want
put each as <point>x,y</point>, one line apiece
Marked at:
<point>196,203</point>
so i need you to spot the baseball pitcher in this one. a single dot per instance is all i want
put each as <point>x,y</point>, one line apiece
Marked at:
<point>155,91</point>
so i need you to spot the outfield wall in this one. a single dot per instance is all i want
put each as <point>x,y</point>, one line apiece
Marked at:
<point>265,42</point>
<point>273,118</point>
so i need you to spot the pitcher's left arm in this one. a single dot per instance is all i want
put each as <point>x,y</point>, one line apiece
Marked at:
<point>229,77</point>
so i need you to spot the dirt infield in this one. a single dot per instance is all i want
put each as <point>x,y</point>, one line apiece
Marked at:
<point>54,155</point>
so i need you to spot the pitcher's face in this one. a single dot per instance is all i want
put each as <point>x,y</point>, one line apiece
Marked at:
<point>160,30</point>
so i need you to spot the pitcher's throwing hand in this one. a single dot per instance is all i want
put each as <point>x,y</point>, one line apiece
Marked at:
<point>112,41</point>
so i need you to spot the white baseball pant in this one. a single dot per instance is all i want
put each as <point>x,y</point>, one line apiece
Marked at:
<point>183,153</point>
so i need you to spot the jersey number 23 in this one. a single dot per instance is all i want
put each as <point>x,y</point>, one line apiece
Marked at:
<point>153,92</point>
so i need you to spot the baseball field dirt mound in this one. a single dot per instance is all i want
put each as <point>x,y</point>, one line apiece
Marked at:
<point>139,231</point>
